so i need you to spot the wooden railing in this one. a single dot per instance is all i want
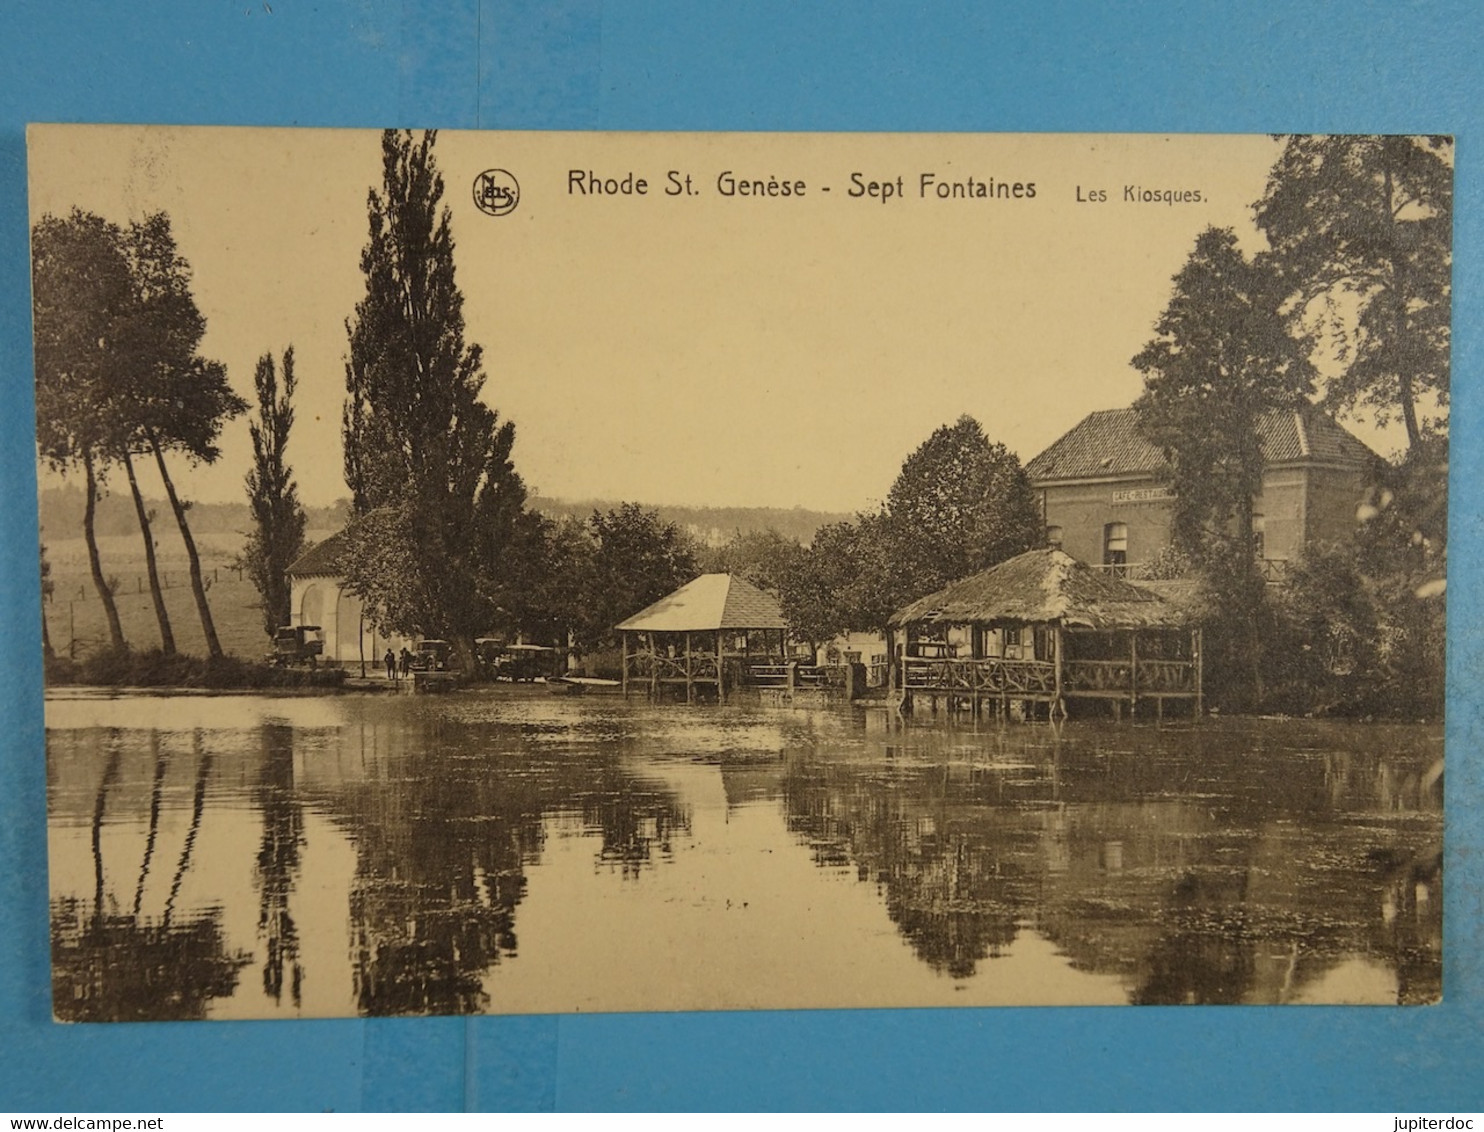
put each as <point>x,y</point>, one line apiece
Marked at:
<point>1148,677</point>
<point>988,676</point>
<point>1014,678</point>
<point>775,674</point>
<point>698,666</point>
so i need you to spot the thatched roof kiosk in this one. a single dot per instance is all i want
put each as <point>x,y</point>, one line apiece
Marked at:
<point>1044,628</point>
<point>702,636</point>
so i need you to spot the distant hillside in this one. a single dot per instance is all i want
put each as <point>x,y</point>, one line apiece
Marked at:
<point>709,525</point>
<point>62,509</point>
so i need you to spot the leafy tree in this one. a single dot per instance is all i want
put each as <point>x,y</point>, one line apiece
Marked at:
<point>172,398</point>
<point>1361,236</point>
<point>277,536</point>
<point>553,606</point>
<point>427,462</point>
<point>960,505</point>
<point>762,557</point>
<point>1324,657</point>
<point>1221,358</point>
<point>81,297</point>
<point>637,559</point>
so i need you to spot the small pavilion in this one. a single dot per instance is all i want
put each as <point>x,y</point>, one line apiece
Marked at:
<point>1044,628</point>
<point>706,638</point>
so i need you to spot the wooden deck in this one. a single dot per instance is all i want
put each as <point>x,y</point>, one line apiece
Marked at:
<point>997,684</point>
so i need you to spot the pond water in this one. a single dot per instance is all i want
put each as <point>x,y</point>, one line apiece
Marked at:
<point>500,851</point>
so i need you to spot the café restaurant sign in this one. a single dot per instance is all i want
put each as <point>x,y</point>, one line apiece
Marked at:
<point>1143,495</point>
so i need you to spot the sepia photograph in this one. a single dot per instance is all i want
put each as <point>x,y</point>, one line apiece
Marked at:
<point>521,572</point>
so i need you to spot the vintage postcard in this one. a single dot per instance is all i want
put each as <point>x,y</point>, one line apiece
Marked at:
<point>537,572</point>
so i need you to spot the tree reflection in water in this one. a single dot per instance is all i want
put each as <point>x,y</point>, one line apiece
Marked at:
<point>953,889</point>
<point>1239,861</point>
<point>1234,864</point>
<point>110,966</point>
<point>278,862</point>
<point>444,834</point>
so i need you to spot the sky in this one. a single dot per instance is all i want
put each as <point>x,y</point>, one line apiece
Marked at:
<point>698,348</point>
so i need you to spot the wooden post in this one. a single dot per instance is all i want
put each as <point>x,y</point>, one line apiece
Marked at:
<point>1197,644</point>
<point>1133,671</point>
<point>1056,650</point>
<point>721,675</point>
<point>654,668</point>
<point>690,684</point>
<point>626,664</point>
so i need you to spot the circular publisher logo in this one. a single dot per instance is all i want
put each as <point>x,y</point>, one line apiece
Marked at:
<point>496,192</point>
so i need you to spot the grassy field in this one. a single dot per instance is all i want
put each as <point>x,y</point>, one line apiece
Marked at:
<point>74,615</point>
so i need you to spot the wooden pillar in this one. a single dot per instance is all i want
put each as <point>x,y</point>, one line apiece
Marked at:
<point>1056,652</point>
<point>654,668</point>
<point>1197,645</point>
<point>1133,670</point>
<point>892,679</point>
<point>625,664</point>
<point>721,673</point>
<point>690,683</point>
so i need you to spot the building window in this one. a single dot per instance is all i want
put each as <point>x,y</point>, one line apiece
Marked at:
<point>1115,548</point>
<point>1053,537</point>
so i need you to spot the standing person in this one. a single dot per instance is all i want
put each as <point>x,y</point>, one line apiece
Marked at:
<point>406,661</point>
<point>391,664</point>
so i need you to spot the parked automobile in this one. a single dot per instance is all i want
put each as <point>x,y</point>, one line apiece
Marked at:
<point>297,644</point>
<point>433,656</point>
<point>500,661</point>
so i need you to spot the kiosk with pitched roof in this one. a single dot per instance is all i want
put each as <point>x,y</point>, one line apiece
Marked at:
<point>707,637</point>
<point>1043,628</point>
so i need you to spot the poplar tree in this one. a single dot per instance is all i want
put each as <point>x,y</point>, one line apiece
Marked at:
<point>277,537</point>
<point>1221,358</point>
<point>438,502</point>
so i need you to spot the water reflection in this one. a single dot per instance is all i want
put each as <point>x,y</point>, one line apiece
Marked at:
<point>109,965</point>
<point>385,855</point>
<point>278,862</point>
<point>1235,863</point>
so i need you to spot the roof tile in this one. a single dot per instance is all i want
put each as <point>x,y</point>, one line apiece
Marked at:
<point>712,601</point>
<point>1108,443</point>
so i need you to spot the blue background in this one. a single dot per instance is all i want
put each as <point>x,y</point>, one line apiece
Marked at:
<point>578,64</point>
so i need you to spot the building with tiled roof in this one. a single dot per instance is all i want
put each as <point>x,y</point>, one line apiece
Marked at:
<point>320,596</point>
<point>1105,502</point>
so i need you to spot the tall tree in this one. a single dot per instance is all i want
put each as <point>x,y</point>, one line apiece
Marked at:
<point>1221,357</point>
<point>637,559</point>
<point>1361,235</point>
<point>81,298</point>
<point>427,462</point>
<point>960,504</point>
<point>763,557</point>
<point>277,536</point>
<point>177,400</point>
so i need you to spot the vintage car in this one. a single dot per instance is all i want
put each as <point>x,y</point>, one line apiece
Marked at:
<point>500,661</point>
<point>433,656</point>
<point>297,644</point>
